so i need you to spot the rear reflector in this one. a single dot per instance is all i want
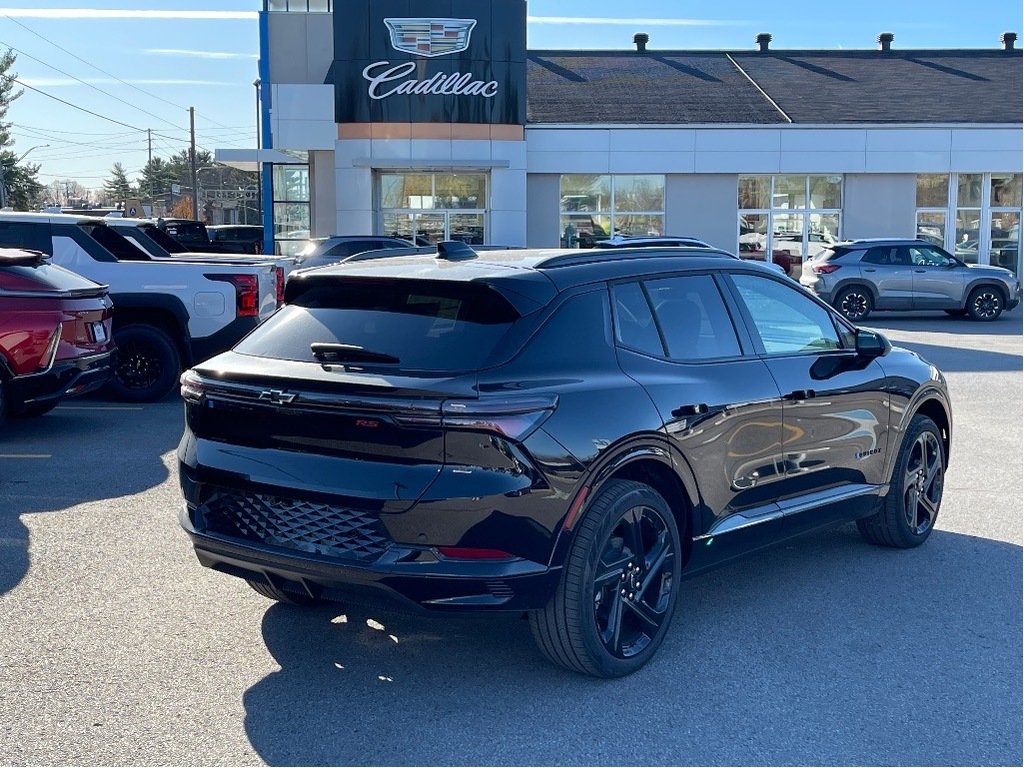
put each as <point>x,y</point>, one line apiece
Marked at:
<point>824,269</point>
<point>473,553</point>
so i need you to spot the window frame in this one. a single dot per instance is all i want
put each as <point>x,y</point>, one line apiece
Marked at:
<point>611,210</point>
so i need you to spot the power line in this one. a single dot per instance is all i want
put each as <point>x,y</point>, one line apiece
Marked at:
<point>90,85</point>
<point>108,74</point>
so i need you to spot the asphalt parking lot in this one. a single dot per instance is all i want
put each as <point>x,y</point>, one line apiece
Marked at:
<point>116,647</point>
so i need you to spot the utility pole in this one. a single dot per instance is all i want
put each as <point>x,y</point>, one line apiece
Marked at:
<point>149,140</point>
<point>192,157</point>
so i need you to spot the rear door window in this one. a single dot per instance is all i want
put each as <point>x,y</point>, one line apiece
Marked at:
<point>881,255</point>
<point>429,325</point>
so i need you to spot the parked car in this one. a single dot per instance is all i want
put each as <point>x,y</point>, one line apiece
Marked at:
<point>55,334</point>
<point>555,432</point>
<point>237,238</point>
<point>623,241</point>
<point>861,276</point>
<point>329,250</point>
<point>168,314</point>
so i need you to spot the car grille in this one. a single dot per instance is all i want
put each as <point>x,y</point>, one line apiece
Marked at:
<point>305,526</point>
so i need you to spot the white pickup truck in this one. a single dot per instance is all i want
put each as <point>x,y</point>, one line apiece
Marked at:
<point>168,314</point>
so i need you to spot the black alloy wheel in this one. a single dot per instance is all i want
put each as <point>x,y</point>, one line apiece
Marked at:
<point>854,304</point>
<point>985,303</point>
<point>619,585</point>
<point>907,514</point>
<point>148,364</point>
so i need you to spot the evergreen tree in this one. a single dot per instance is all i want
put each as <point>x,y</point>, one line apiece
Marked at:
<point>20,183</point>
<point>117,188</point>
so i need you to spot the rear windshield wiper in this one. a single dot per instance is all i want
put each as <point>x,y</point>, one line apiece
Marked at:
<point>333,352</point>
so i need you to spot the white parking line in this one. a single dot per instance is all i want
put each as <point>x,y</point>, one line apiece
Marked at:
<point>99,408</point>
<point>26,456</point>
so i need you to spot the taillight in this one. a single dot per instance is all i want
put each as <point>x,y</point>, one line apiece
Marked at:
<point>824,269</point>
<point>247,293</point>
<point>511,417</point>
<point>279,285</point>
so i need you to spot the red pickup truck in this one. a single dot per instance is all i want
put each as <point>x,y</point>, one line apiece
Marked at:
<point>55,338</point>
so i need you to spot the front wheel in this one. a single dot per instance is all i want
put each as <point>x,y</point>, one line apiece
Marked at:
<point>148,364</point>
<point>854,303</point>
<point>619,586</point>
<point>985,303</point>
<point>907,514</point>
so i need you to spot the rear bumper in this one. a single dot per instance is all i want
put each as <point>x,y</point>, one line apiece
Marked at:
<point>65,378</point>
<point>404,578</point>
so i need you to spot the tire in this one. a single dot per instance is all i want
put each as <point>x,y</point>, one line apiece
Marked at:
<point>31,411</point>
<point>291,598</point>
<point>907,513</point>
<point>611,609</point>
<point>148,364</point>
<point>956,312</point>
<point>854,303</point>
<point>985,303</point>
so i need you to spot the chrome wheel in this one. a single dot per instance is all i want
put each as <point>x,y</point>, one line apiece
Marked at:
<point>634,582</point>
<point>922,483</point>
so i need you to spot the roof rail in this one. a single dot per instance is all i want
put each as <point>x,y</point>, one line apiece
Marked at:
<point>598,255</point>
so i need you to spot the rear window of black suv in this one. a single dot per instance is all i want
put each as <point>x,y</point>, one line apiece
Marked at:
<point>429,325</point>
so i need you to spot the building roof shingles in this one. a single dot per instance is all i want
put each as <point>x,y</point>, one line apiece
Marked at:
<point>825,87</point>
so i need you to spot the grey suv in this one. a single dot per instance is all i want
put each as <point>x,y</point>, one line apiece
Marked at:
<point>863,275</point>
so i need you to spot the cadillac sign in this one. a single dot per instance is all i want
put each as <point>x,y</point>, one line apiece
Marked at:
<point>429,61</point>
<point>429,38</point>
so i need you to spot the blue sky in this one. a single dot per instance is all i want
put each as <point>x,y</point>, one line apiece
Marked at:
<point>210,63</point>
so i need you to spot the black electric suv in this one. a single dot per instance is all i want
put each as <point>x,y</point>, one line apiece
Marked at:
<point>560,433</point>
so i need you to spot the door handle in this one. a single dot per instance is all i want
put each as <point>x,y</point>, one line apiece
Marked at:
<point>799,394</point>
<point>690,410</point>
<point>920,271</point>
<point>869,269</point>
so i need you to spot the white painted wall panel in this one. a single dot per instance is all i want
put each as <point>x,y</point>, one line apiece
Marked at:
<point>390,149</point>
<point>736,162</point>
<point>512,151</point>
<point>738,140</point>
<point>651,162</point>
<point>879,205</point>
<point>651,140</point>
<point>568,162</point>
<point>818,140</point>
<point>981,161</point>
<point>465,149</point>
<point>353,188</point>
<point>304,134</point>
<point>704,206</point>
<point>821,162</point>
<point>508,190</point>
<point>986,139</point>
<point>347,151</point>
<point>553,140</point>
<point>430,149</point>
<point>303,102</point>
<point>908,140</point>
<point>543,196</point>
<point>355,222</point>
<point>907,162</point>
<point>508,228</point>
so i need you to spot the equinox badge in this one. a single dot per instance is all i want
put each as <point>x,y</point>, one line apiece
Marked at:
<point>277,396</point>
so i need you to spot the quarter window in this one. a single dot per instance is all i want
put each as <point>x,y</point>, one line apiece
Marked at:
<point>634,324</point>
<point>786,321</point>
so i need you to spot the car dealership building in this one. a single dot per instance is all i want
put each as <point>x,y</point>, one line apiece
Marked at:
<point>432,118</point>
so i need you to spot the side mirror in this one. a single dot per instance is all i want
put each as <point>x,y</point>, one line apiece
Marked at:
<point>871,344</point>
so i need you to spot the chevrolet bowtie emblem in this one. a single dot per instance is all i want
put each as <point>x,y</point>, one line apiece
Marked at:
<point>277,396</point>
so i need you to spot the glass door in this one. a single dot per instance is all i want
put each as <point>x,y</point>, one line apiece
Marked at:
<point>430,207</point>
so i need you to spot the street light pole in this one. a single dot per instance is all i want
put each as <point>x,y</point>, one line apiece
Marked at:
<point>3,183</point>
<point>259,165</point>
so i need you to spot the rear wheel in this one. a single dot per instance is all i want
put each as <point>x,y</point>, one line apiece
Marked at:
<point>292,598</point>
<point>148,364</point>
<point>907,514</point>
<point>854,303</point>
<point>619,586</point>
<point>985,303</point>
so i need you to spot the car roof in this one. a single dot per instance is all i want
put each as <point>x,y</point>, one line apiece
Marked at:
<point>52,218</point>
<point>879,241</point>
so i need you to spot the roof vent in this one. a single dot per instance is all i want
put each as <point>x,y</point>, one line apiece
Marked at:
<point>640,39</point>
<point>1008,39</point>
<point>762,41</point>
<point>885,41</point>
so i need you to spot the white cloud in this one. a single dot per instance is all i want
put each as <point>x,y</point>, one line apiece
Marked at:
<point>620,22</point>
<point>60,82</point>
<point>126,13</point>
<point>199,54</point>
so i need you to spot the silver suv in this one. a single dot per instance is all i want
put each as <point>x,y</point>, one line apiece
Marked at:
<point>863,275</point>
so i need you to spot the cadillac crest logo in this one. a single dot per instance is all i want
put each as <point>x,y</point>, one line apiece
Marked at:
<point>430,37</point>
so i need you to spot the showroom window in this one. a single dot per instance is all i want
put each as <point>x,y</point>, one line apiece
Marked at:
<point>788,217</point>
<point>299,6</point>
<point>975,216</point>
<point>430,207</point>
<point>291,208</point>
<point>595,207</point>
